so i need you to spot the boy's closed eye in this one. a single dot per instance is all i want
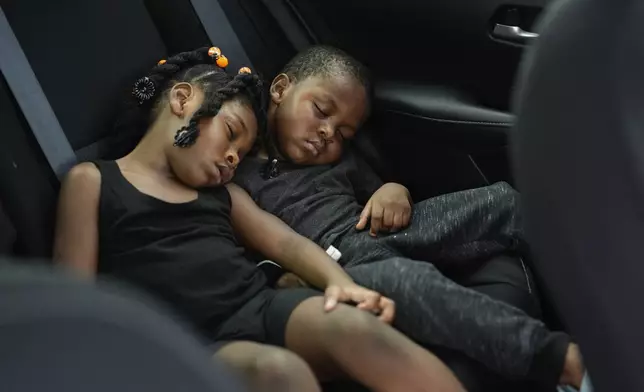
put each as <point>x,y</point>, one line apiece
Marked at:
<point>342,138</point>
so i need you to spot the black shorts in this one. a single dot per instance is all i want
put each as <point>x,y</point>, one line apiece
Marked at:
<point>263,319</point>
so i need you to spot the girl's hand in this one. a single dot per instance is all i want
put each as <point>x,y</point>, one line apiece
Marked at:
<point>389,209</point>
<point>364,299</point>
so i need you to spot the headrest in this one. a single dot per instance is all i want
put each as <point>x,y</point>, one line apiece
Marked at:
<point>579,160</point>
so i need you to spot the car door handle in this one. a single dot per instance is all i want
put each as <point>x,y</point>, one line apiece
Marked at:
<point>513,34</point>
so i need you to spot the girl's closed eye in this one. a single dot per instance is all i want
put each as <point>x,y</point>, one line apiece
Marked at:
<point>319,112</point>
<point>231,133</point>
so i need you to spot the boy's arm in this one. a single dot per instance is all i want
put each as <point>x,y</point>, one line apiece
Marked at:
<point>273,238</point>
<point>76,237</point>
<point>387,207</point>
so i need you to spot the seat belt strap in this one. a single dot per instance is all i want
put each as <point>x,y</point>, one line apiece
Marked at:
<point>218,28</point>
<point>32,101</point>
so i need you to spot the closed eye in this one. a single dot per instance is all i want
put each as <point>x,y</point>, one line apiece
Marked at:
<point>321,113</point>
<point>231,134</point>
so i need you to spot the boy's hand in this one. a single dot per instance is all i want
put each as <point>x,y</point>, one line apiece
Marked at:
<point>389,209</point>
<point>364,299</point>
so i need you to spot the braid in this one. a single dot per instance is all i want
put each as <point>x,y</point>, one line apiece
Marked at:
<point>162,73</point>
<point>247,85</point>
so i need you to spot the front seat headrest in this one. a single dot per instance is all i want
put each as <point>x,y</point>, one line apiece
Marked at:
<point>579,161</point>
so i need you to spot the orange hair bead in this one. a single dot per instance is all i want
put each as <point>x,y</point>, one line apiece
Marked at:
<point>244,70</point>
<point>222,61</point>
<point>214,52</point>
<point>162,61</point>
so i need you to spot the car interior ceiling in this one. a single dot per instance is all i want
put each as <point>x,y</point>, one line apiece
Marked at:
<point>430,112</point>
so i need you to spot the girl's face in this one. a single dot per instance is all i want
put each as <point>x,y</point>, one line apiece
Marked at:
<point>312,118</point>
<point>222,143</point>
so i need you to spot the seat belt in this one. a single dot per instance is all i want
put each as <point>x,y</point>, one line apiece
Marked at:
<point>218,28</point>
<point>292,25</point>
<point>32,101</point>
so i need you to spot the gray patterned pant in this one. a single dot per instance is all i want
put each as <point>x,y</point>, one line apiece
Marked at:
<point>457,233</point>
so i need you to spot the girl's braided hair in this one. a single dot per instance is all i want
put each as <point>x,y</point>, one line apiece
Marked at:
<point>198,68</point>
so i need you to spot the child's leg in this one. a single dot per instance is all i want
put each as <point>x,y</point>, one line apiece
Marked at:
<point>507,279</point>
<point>449,230</point>
<point>366,349</point>
<point>434,310</point>
<point>267,369</point>
<point>462,226</point>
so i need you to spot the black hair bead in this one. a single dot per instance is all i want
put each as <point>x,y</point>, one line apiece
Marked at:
<point>185,137</point>
<point>144,89</point>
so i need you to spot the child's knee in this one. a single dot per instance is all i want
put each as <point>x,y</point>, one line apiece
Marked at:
<point>508,192</point>
<point>348,326</point>
<point>279,367</point>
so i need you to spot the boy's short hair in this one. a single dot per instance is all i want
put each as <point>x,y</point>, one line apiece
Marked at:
<point>327,61</point>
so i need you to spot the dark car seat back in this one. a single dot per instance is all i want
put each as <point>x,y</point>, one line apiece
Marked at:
<point>7,233</point>
<point>76,337</point>
<point>27,183</point>
<point>579,154</point>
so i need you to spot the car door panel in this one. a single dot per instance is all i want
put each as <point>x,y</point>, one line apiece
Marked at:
<point>444,114</point>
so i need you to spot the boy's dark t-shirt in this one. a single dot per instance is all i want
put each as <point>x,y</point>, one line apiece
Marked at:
<point>319,202</point>
<point>185,253</point>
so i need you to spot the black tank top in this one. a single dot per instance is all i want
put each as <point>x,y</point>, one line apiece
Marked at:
<point>184,253</point>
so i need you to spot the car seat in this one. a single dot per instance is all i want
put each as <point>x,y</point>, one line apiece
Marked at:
<point>7,233</point>
<point>579,160</point>
<point>65,335</point>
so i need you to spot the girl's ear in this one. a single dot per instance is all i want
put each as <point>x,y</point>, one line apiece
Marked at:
<point>279,87</point>
<point>181,95</point>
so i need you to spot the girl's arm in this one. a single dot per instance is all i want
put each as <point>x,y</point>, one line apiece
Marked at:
<point>274,239</point>
<point>76,238</point>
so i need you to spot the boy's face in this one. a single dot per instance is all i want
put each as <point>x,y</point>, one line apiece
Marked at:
<point>312,118</point>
